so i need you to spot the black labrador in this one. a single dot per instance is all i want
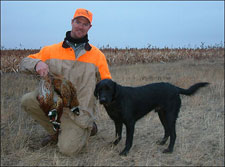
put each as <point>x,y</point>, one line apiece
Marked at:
<point>125,105</point>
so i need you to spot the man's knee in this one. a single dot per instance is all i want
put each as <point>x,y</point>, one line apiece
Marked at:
<point>73,145</point>
<point>72,137</point>
<point>29,102</point>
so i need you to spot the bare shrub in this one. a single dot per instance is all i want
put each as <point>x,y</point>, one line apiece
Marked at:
<point>10,59</point>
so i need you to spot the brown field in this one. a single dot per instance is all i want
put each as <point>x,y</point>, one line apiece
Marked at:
<point>10,58</point>
<point>200,126</point>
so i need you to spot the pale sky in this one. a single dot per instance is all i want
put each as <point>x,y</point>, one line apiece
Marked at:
<point>133,24</point>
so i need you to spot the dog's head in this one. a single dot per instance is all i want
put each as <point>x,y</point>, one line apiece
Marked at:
<point>105,91</point>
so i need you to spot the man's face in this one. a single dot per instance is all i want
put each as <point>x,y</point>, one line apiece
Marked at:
<point>80,27</point>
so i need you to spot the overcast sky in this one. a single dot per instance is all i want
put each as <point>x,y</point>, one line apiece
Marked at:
<point>121,24</point>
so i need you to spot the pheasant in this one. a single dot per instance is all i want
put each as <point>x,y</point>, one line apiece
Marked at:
<point>55,92</point>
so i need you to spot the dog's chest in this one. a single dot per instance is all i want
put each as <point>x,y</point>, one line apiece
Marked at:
<point>113,112</point>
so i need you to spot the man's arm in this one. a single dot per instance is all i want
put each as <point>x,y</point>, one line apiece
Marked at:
<point>35,64</point>
<point>103,67</point>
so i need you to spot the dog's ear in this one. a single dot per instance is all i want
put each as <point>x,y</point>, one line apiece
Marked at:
<point>96,94</point>
<point>116,89</point>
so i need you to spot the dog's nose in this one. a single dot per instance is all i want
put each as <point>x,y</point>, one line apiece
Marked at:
<point>102,100</point>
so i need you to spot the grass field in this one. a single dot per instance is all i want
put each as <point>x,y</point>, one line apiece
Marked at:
<point>200,126</point>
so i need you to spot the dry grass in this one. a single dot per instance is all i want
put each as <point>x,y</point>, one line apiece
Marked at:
<point>10,58</point>
<point>200,126</point>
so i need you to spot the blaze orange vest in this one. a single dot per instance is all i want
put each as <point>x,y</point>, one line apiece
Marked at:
<point>94,56</point>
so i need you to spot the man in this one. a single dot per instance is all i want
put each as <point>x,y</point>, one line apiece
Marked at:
<point>81,63</point>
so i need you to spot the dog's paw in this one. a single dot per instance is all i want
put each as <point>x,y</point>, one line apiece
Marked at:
<point>161,142</point>
<point>113,143</point>
<point>124,153</point>
<point>167,151</point>
<point>116,142</point>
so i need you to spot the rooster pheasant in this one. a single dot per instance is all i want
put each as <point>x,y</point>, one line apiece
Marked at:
<point>55,92</point>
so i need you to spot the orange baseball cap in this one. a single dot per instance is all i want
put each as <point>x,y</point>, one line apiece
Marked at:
<point>83,12</point>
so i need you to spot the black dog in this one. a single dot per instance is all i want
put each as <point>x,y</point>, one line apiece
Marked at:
<point>125,105</point>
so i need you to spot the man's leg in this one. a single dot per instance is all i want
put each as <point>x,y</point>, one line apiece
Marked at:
<point>30,105</point>
<point>72,137</point>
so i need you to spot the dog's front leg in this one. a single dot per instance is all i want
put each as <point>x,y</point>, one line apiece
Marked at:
<point>129,138</point>
<point>118,127</point>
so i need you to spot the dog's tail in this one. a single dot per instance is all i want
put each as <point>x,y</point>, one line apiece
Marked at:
<point>193,89</point>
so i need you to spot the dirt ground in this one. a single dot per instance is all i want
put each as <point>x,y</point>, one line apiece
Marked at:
<point>200,126</point>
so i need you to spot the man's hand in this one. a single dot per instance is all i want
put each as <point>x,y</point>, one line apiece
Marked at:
<point>42,68</point>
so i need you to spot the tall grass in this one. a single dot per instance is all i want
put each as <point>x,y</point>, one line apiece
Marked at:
<point>10,58</point>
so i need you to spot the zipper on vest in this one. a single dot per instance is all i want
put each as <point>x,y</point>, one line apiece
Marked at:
<point>77,48</point>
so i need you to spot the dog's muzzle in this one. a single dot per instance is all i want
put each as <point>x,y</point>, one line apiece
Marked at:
<point>102,100</point>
